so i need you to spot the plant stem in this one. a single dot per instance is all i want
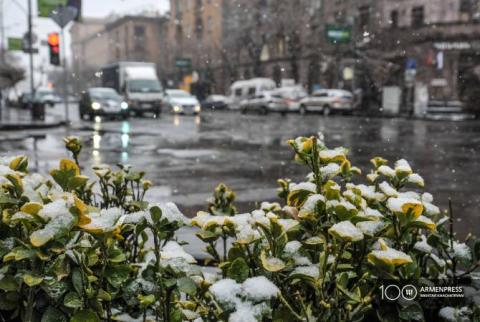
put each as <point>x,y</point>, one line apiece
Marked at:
<point>289,307</point>
<point>30,303</point>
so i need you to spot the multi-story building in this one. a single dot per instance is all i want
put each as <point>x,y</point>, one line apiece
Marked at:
<point>130,38</point>
<point>195,35</point>
<point>439,38</point>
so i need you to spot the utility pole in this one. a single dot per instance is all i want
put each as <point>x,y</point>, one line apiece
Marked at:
<point>65,75</point>
<point>62,16</point>
<point>2,32</point>
<point>30,52</point>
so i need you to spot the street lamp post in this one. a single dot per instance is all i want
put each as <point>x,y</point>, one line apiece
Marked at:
<point>30,53</point>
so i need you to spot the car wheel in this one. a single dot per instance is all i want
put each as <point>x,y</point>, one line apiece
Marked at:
<point>327,110</point>
<point>303,110</point>
<point>264,110</point>
<point>243,111</point>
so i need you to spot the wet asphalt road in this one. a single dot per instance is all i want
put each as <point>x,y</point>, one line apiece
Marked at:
<point>186,157</point>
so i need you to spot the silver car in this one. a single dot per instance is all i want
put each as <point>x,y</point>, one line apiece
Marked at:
<point>328,101</point>
<point>264,103</point>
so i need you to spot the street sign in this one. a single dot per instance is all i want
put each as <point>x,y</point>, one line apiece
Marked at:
<point>410,63</point>
<point>45,7</point>
<point>63,15</point>
<point>339,34</point>
<point>183,62</point>
<point>15,44</point>
<point>26,48</point>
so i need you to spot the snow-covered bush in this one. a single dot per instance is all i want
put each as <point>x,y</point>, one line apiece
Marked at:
<point>332,242</point>
<point>74,248</point>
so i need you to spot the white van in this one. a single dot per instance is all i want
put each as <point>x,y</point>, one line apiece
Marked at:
<point>244,89</point>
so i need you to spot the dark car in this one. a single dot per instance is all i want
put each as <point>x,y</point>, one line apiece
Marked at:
<point>44,96</point>
<point>102,101</point>
<point>215,102</point>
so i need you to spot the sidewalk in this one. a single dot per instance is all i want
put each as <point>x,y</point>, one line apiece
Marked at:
<point>21,119</point>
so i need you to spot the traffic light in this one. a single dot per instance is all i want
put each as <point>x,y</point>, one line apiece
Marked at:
<point>54,44</point>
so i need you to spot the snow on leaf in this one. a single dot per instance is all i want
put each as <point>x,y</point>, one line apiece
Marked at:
<point>259,288</point>
<point>107,220</point>
<point>347,231</point>
<point>403,205</point>
<point>174,250</point>
<point>389,256</point>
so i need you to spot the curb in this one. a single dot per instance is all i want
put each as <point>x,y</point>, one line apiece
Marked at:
<point>30,126</point>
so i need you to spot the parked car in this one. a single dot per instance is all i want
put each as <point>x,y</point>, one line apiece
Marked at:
<point>182,102</point>
<point>45,96</point>
<point>264,103</point>
<point>328,101</point>
<point>102,101</point>
<point>215,102</point>
<point>292,96</point>
<point>246,89</point>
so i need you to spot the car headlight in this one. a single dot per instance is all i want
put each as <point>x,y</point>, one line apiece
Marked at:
<point>124,105</point>
<point>96,105</point>
<point>197,109</point>
<point>177,109</point>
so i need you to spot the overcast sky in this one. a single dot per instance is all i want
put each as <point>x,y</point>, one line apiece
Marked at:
<point>16,19</point>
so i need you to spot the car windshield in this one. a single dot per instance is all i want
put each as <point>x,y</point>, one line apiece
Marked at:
<point>104,94</point>
<point>144,86</point>
<point>178,94</point>
<point>41,94</point>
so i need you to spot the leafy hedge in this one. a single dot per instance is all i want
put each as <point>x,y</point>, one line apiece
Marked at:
<point>77,249</point>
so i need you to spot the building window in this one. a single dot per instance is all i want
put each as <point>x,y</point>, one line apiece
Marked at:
<point>209,24</point>
<point>340,16</point>
<point>280,46</point>
<point>199,27</point>
<point>364,17</point>
<point>394,19</point>
<point>466,9</point>
<point>139,31</point>
<point>418,17</point>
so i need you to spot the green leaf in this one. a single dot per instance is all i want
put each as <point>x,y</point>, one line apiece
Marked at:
<point>77,182</point>
<point>105,296</point>
<point>238,270</point>
<point>32,279</point>
<point>156,214</point>
<point>146,300</point>
<point>187,286</point>
<point>9,301</point>
<point>6,200</point>
<point>58,226</point>
<point>72,300</point>
<point>19,254</point>
<point>8,283</point>
<point>271,264</point>
<point>77,281</point>
<point>476,250</point>
<point>117,275</point>
<point>85,316</point>
<point>117,256</point>
<point>207,236</point>
<point>53,315</point>
<point>412,312</point>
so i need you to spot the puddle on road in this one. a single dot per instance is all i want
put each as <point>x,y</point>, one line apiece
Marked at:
<point>188,153</point>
